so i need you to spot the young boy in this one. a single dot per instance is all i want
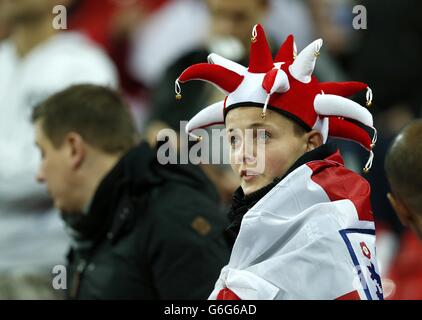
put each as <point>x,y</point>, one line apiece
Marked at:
<point>303,222</point>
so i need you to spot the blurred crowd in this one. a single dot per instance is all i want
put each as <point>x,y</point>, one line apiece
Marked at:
<point>140,47</point>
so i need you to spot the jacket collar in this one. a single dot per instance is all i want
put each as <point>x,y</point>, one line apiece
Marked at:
<point>136,173</point>
<point>242,203</point>
<point>131,171</point>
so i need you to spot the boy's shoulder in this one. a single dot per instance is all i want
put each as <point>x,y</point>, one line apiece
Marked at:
<point>341,183</point>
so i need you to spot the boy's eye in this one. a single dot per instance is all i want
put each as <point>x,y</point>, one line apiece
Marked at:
<point>263,135</point>
<point>234,141</point>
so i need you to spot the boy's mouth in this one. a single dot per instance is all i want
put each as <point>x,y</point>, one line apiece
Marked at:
<point>248,175</point>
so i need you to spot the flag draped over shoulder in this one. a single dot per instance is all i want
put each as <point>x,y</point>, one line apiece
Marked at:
<point>311,237</point>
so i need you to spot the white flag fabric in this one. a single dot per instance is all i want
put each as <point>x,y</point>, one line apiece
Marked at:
<point>311,237</point>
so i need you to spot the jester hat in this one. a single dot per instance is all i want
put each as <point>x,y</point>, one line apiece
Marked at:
<point>285,85</point>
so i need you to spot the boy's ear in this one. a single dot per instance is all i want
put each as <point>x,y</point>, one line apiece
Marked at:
<point>402,211</point>
<point>314,140</point>
<point>76,149</point>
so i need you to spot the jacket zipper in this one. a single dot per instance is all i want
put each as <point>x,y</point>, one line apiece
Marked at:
<point>76,281</point>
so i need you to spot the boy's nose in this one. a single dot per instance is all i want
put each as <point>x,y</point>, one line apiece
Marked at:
<point>248,155</point>
<point>248,158</point>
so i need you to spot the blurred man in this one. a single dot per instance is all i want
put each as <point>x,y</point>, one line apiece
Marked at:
<point>403,166</point>
<point>4,29</point>
<point>35,61</point>
<point>229,36</point>
<point>140,230</point>
<point>231,22</point>
<point>236,18</point>
<point>180,26</point>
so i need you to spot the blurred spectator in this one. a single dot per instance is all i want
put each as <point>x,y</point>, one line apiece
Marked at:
<point>388,56</point>
<point>4,29</point>
<point>141,230</point>
<point>110,23</point>
<point>228,34</point>
<point>332,21</point>
<point>290,17</point>
<point>403,165</point>
<point>35,61</point>
<point>388,59</point>
<point>181,26</point>
<point>403,281</point>
<point>176,28</point>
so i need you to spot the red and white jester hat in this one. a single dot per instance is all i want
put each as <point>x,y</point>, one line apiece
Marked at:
<point>286,85</point>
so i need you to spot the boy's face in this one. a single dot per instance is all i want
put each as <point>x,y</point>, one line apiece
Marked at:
<point>276,146</point>
<point>55,170</point>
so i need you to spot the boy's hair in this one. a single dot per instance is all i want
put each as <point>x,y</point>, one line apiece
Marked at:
<point>298,129</point>
<point>97,113</point>
<point>403,165</point>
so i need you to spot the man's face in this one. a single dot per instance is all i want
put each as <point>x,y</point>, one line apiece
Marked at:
<point>276,146</point>
<point>14,11</point>
<point>408,216</point>
<point>236,17</point>
<point>56,171</point>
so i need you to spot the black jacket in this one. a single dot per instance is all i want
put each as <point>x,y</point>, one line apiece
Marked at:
<point>152,232</point>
